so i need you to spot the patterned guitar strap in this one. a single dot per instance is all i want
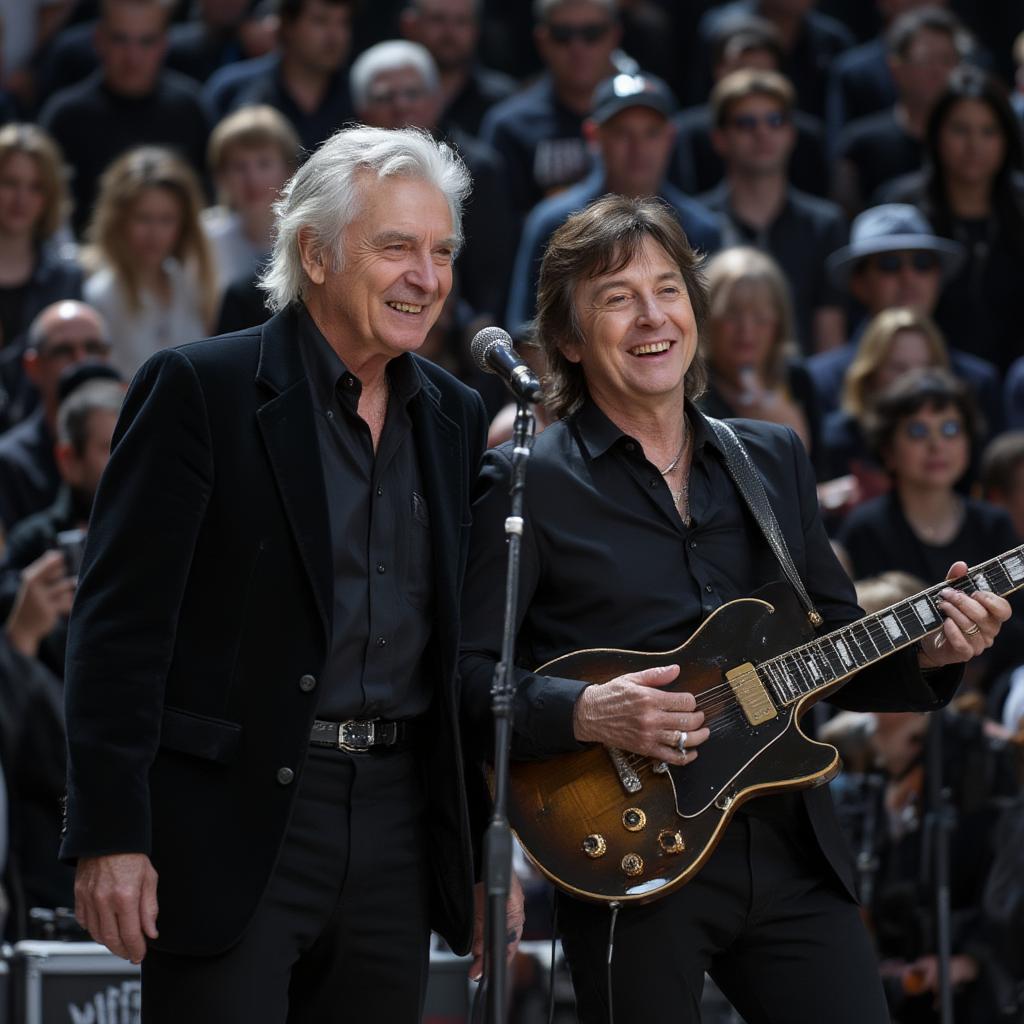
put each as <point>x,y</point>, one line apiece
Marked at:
<point>748,481</point>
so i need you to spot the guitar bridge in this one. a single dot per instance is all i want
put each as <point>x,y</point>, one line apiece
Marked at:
<point>627,775</point>
<point>750,693</point>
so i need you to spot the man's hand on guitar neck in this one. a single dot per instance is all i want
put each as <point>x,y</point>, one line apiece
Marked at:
<point>632,713</point>
<point>972,623</point>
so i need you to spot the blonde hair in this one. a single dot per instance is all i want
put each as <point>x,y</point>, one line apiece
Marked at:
<point>874,347</point>
<point>121,186</point>
<point>743,266</point>
<point>251,128</point>
<point>33,142</point>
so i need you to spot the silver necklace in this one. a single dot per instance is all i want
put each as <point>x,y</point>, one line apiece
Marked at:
<point>679,454</point>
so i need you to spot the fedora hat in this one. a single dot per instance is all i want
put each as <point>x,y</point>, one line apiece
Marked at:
<point>891,227</point>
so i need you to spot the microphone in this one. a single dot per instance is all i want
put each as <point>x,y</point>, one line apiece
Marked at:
<point>492,352</point>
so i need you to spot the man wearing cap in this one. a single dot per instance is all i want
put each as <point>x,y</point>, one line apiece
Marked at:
<point>631,133</point>
<point>894,258</point>
<point>62,335</point>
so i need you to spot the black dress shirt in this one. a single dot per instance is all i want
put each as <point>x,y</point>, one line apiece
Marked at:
<point>380,541</point>
<point>607,562</point>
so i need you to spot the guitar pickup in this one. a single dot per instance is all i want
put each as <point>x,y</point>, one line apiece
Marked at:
<point>750,694</point>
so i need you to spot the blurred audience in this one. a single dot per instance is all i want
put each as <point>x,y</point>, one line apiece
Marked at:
<point>252,153</point>
<point>754,135</point>
<point>750,348</point>
<point>696,166</point>
<point>450,30</point>
<point>61,336</point>
<point>307,80</point>
<point>153,277</point>
<point>972,190</point>
<point>922,429</point>
<point>130,100</point>
<point>1002,477</point>
<point>539,131</point>
<point>630,133</point>
<point>924,46</point>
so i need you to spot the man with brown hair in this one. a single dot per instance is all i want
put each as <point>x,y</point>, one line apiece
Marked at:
<point>131,100</point>
<point>754,135</point>
<point>633,536</point>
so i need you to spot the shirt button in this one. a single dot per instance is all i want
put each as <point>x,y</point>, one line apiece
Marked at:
<point>693,543</point>
<point>653,482</point>
<point>630,447</point>
<point>330,414</point>
<point>350,381</point>
<point>380,568</point>
<point>709,588</point>
<point>307,683</point>
<point>382,641</point>
<point>380,491</point>
<point>285,776</point>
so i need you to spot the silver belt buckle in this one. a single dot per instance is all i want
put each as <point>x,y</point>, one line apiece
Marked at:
<point>355,737</point>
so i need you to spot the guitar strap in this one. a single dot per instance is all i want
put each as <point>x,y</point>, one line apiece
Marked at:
<point>741,469</point>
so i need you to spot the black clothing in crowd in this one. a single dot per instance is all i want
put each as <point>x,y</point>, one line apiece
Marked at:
<point>94,125</point>
<point>380,542</point>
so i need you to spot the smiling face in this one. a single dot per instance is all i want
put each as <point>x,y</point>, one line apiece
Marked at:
<point>640,333</point>
<point>395,274</point>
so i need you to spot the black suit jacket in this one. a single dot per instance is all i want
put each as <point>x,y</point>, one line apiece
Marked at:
<point>204,598</point>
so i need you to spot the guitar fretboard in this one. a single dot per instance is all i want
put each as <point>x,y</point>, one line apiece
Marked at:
<point>822,662</point>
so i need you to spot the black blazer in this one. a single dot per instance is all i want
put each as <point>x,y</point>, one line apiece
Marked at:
<point>205,597</point>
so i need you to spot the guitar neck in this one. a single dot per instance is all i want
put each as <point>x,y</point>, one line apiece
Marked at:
<point>828,659</point>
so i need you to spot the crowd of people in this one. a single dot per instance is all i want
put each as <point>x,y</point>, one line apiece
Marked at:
<point>852,174</point>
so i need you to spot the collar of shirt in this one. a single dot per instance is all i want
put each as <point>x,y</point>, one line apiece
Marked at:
<point>330,379</point>
<point>597,433</point>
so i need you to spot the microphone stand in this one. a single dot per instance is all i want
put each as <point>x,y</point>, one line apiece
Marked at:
<point>498,840</point>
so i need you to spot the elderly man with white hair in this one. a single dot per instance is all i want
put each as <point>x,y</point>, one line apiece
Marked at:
<point>267,798</point>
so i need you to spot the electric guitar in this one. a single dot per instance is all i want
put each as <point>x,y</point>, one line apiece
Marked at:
<point>607,825</point>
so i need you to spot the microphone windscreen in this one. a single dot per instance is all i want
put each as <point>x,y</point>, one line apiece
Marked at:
<point>484,341</point>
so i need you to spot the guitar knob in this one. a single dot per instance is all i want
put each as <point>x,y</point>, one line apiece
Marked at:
<point>671,842</point>
<point>595,846</point>
<point>632,864</point>
<point>633,819</point>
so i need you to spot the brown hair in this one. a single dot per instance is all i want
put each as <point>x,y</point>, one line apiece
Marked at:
<point>33,142</point>
<point>603,238</point>
<point>749,82</point>
<point>251,128</point>
<point>742,265</point>
<point>873,349</point>
<point>121,185</point>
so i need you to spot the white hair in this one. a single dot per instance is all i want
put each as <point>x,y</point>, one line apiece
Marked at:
<point>323,195</point>
<point>390,55</point>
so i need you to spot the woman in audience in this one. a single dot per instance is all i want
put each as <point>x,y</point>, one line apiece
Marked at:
<point>153,279</point>
<point>895,341</point>
<point>34,270</point>
<point>252,153</point>
<point>750,347</point>
<point>922,429</point>
<point>972,190</point>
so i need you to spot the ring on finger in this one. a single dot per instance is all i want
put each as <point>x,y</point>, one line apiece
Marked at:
<point>973,631</point>
<point>681,742</point>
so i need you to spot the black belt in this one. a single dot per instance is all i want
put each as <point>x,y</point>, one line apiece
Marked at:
<point>356,736</point>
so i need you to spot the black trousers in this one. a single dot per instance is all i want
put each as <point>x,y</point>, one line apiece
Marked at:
<point>765,918</point>
<point>342,932</point>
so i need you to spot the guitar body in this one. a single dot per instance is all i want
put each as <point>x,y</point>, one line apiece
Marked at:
<point>592,837</point>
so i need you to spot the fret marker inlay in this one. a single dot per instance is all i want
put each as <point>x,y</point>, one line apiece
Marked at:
<point>924,611</point>
<point>892,627</point>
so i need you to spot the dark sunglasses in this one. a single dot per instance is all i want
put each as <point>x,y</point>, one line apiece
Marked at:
<point>893,262</point>
<point>592,33</point>
<point>410,94</point>
<point>749,122</point>
<point>917,430</point>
